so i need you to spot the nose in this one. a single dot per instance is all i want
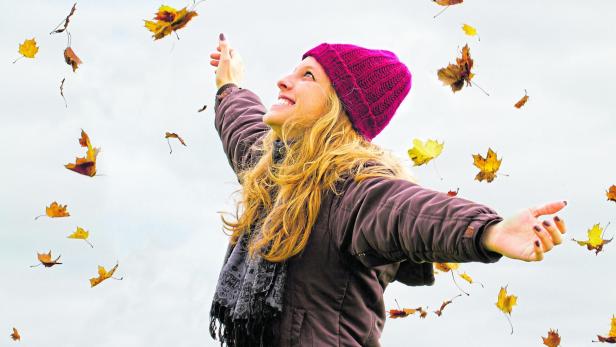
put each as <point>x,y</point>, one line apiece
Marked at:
<point>285,83</point>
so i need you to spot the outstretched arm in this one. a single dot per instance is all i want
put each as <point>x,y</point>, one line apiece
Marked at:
<point>238,112</point>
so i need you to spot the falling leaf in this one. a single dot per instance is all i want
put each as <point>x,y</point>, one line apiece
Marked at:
<point>62,92</point>
<point>446,267</point>
<point>446,3</point>
<point>522,101</point>
<point>488,166</point>
<point>15,335</point>
<point>469,30</point>
<point>439,312</point>
<point>28,49</point>
<point>595,239</point>
<point>202,108</point>
<point>553,339</point>
<point>45,259</point>
<point>452,193</point>
<point>173,135</point>
<point>454,75</point>
<point>611,193</point>
<point>393,313</point>
<point>422,153</point>
<point>71,58</point>
<point>86,165</point>
<point>54,210</point>
<point>168,19</point>
<point>82,234</point>
<point>611,337</point>
<point>103,275</point>
<point>469,279</point>
<point>505,303</point>
<point>66,21</point>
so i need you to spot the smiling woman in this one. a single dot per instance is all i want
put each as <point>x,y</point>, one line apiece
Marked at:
<point>328,219</point>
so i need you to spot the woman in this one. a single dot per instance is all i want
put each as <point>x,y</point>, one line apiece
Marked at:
<point>328,218</point>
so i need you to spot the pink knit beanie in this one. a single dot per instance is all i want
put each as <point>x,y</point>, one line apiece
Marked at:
<point>370,83</point>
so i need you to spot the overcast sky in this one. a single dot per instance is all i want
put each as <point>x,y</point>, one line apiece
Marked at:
<point>156,213</point>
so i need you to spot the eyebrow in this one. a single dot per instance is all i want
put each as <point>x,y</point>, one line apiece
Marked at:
<point>311,67</point>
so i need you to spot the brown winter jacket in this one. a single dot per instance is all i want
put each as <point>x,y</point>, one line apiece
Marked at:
<point>375,232</point>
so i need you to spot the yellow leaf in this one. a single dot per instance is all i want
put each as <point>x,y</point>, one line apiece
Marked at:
<point>467,278</point>
<point>28,49</point>
<point>446,267</point>
<point>80,233</point>
<point>488,166</point>
<point>612,332</point>
<point>102,275</point>
<point>54,210</point>
<point>422,153</point>
<point>168,19</point>
<point>469,30</point>
<point>595,239</point>
<point>506,302</point>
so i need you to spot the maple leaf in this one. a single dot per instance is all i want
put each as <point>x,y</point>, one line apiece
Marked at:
<point>169,135</point>
<point>86,165</point>
<point>611,193</point>
<point>452,193</point>
<point>446,3</point>
<point>595,239</point>
<point>168,20</point>
<point>393,313</point>
<point>81,234</point>
<point>422,153</point>
<point>15,335</point>
<point>505,303</point>
<point>71,58</point>
<point>488,166</point>
<point>439,312</point>
<point>45,259</point>
<point>446,267</point>
<point>611,337</point>
<point>553,339</point>
<point>103,275</point>
<point>455,75</point>
<point>54,210</point>
<point>522,101</point>
<point>470,30</point>
<point>57,29</point>
<point>469,279</point>
<point>28,49</point>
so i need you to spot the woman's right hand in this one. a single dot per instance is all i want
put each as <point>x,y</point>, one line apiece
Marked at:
<point>228,63</point>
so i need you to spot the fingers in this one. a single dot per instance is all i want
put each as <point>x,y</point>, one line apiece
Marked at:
<point>224,47</point>
<point>550,208</point>
<point>544,237</point>
<point>538,251</point>
<point>560,224</point>
<point>214,63</point>
<point>554,232</point>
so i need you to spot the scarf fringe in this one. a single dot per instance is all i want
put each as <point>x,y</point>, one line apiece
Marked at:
<point>256,331</point>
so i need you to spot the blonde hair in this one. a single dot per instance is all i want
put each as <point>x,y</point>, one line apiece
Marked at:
<point>284,199</point>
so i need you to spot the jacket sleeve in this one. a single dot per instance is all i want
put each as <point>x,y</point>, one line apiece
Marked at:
<point>384,220</point>
<point>239,122</point>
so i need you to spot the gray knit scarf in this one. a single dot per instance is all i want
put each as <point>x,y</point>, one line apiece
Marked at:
<point>249,293</point>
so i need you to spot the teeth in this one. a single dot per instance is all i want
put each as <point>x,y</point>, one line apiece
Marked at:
<point>283,101</point>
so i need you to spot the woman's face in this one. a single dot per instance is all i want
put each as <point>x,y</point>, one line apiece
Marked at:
<point>303,92</point>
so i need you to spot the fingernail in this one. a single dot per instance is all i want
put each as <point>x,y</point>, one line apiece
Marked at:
<point>537,243</point>
<point>537,228</point>
<point>221,37</point>
<point>556,218</point>
<point>546,223</point>
<point>565,202</point>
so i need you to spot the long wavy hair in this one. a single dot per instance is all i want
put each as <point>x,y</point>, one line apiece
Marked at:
<point>284,199</point>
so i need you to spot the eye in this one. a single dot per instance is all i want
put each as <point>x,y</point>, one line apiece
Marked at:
<point>309,73</point>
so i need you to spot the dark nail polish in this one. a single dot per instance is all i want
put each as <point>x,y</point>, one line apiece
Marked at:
<point>546,223</point>
<point>221,37</point>
<point>565,202</point>
<point>537,243</point>
<point>537,228</point>
<point>556,218</point>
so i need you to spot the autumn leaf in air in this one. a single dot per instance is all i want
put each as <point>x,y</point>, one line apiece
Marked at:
<point>611,193</point>
<point>505,303</point>
<point>450,267</point>
<point>66,20</point>
<point>488,165</point>
<point>82,234</point>
<point>15,335</point>
<point>454,75</point>
<point>393,313</point>
<point>422,153</point>
<point>103,275</point>
<point>169,135</point>
<point>553,339</point>
<point>28,49</point>
<point>452,193</point>
<point>446,3</point>
<point>439,312</point>
<point>470,30</point>
<point>469,279</point>
<point>45,259</point>
<point>611,336</point>
<point>168,20</point>
<point>55,210</point>
<point>85,165</point>
<point>595,239</point>
<point>71,58</point>
<point>522,101</point>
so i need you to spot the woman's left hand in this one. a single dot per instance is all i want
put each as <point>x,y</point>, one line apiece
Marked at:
<point>524,236</point>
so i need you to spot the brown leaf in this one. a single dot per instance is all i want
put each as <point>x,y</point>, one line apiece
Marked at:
<point>71,58</point>
<point>439,312</point>
<point>15,335</point>
<point>522,101</point>
<point>553,339</point>
<point>45,259</point>
<point>66,21</point>
<point>85,165</point>
<point>455,75</point>
<point>611,193</point>
<point>202,108</point>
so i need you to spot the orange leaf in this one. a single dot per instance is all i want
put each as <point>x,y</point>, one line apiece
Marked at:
<point>402,313</point>
<point>174,135</point>
<point>15,335</point>
<point>452,193</point>
<point>448,2</point>
<point>446,267</point>
<point>553,339</point>
<point>522,101</point>
<point>86,165</point>
<point>102,275</point>
<point>455,75</point>
<point>488,166</point>
<point>439,312</point>
<point>611,193</point>
<point>45,259</point>
<point>54,210</point>
<point>168,19</point>
<point>71,58</point>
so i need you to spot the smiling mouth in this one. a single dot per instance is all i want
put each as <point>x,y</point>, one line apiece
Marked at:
<point>282,101</point>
